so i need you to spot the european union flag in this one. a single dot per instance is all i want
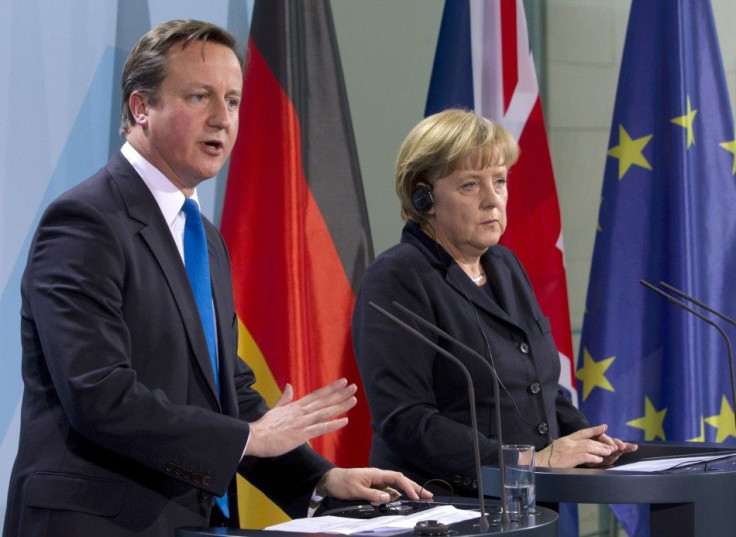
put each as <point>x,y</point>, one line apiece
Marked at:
<point>668,213</point>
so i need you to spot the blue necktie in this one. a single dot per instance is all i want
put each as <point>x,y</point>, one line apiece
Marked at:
<point>197,264</point>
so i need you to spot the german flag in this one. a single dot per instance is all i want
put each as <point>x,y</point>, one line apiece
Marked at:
<point>295,220</point>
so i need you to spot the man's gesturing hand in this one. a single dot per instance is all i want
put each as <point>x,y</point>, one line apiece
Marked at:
<point>291,423</point>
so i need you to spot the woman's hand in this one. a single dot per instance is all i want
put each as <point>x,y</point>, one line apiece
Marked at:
<point>590,447</point>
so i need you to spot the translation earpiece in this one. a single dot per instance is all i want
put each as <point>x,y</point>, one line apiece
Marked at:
<point>422,199</point>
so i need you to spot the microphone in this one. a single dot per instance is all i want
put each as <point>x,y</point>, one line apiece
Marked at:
<point>484,525</point>
<point>704,318</point>
<point>697,302</point>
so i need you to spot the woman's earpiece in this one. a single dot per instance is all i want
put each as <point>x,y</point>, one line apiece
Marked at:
<point>422,199</point>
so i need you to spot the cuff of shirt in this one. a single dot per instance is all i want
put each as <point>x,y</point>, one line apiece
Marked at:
<point>247,441</point>
<point>314,502</point>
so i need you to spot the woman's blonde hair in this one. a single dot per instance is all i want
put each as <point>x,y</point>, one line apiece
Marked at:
<point>443,143</point>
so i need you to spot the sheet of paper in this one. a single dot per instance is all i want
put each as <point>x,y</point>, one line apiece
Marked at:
<point>446,514</point>
<point>660,465</point>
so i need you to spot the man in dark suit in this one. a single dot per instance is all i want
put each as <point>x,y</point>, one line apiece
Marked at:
<point>126,426</point>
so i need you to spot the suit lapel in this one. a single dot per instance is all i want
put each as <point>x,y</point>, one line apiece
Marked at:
<point>499,278</point>
<point>499,275</point>
<point>154,231</point>
<point>224,312</point>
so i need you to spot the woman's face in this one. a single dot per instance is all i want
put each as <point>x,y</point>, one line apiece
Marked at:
<point>469,211</point>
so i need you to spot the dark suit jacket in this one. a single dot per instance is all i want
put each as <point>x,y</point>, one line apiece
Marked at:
<point>418,398</point>
<point>121,430</point>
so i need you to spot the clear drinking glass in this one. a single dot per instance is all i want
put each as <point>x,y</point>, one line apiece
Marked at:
<point>519,489</point>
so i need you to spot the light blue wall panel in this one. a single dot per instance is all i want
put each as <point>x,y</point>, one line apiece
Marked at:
<point>59,117</point>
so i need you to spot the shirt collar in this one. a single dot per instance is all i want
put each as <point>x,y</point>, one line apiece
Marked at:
<point>168,197</point>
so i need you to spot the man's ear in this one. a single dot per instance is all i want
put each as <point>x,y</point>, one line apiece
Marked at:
<point>138,104</point>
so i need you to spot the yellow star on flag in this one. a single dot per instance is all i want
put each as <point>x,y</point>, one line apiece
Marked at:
<point>701,436</point>
<point>651,422</point>
<point>592,374</point>
<point>629,152</point>
<point>723,422</point>
<point>687,122</point>
<point>731,148</point>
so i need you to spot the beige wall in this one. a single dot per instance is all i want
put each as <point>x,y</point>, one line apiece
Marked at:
<point>387,49</point>
<point>584,45</point>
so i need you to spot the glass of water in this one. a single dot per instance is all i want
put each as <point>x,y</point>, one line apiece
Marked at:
<point>519,489</point>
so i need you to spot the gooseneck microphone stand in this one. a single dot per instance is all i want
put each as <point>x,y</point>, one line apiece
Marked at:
<point>484,525</point>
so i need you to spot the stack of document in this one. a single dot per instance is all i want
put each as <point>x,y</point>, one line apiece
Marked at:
<point>662,464</point>
<point>445,514</point>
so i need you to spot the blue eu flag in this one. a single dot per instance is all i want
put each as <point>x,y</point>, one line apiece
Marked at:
<point>667,213</point>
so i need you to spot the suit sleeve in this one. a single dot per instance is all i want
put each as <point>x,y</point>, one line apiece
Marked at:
<point>77,282</point>
<point>288,480</point>
<point>569,418</point>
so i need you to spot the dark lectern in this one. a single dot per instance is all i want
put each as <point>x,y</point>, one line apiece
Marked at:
<point>696,500</point>
<point>544,524</point>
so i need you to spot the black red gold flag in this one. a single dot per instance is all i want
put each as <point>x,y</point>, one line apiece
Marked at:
<point>294,216</point>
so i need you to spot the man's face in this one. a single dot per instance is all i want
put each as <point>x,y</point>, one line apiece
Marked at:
<point>191,130</point>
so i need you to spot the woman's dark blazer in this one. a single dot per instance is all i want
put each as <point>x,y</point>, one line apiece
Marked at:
<point>419,398</point>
